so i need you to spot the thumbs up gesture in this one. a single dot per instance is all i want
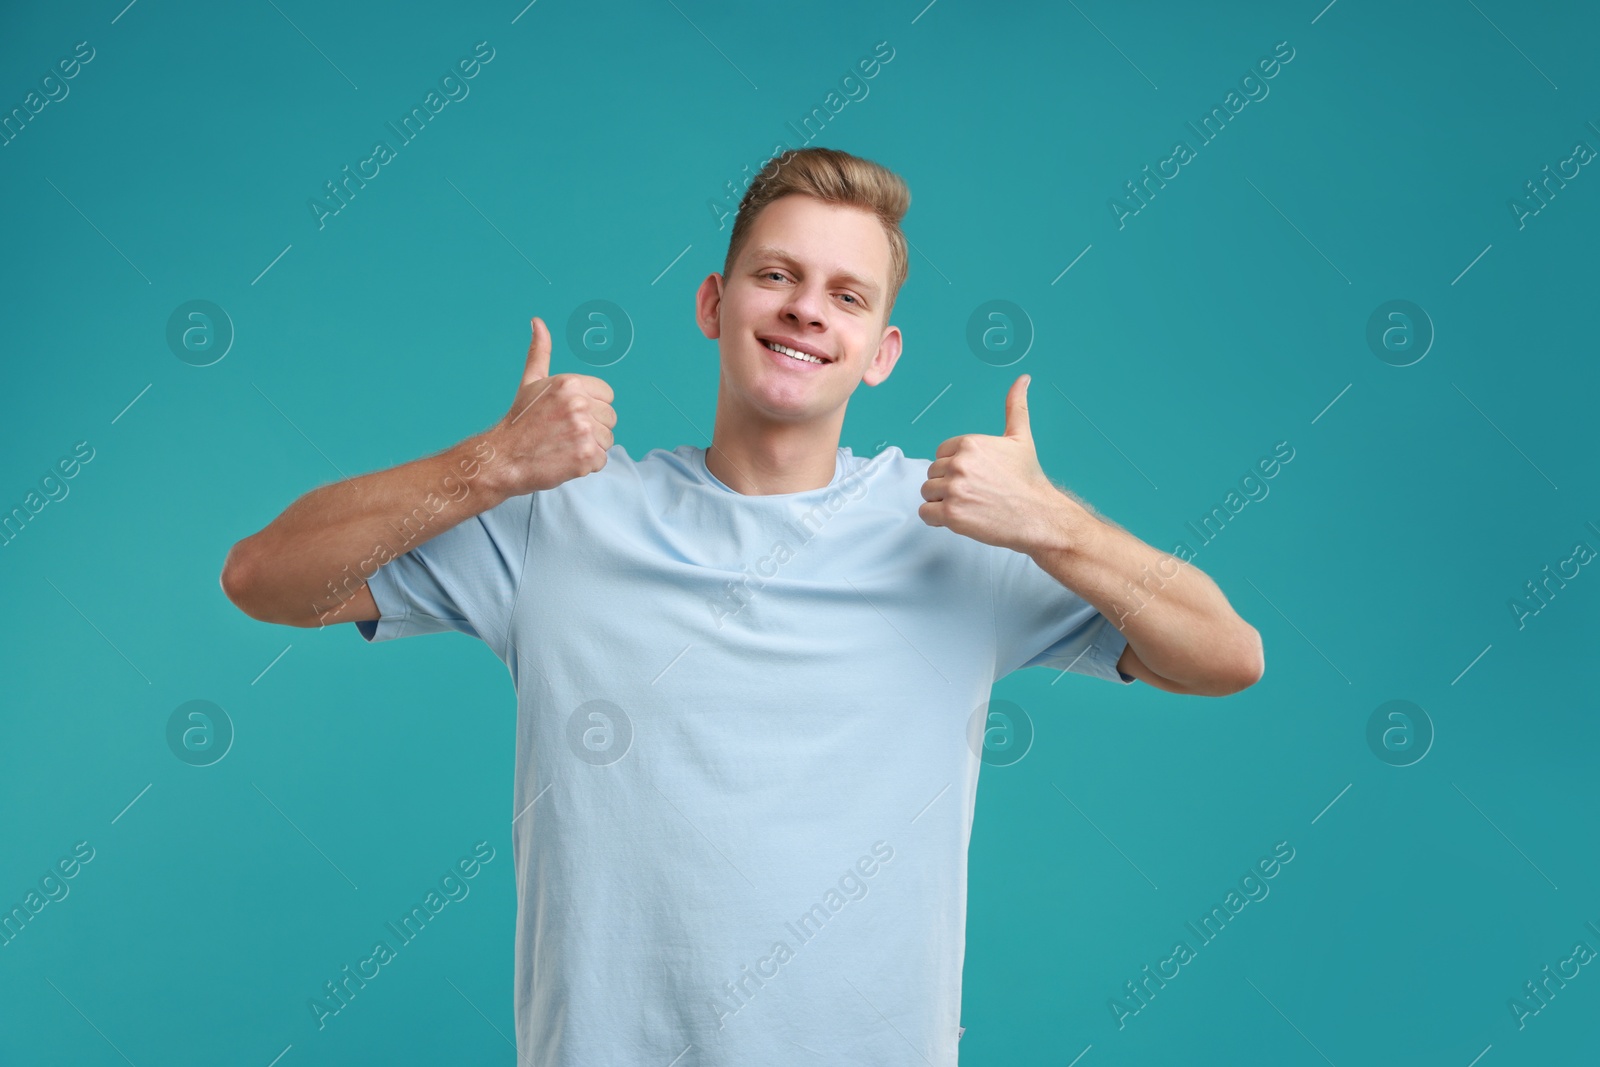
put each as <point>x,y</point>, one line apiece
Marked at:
<point>992,489</point>
<point>558,428</point>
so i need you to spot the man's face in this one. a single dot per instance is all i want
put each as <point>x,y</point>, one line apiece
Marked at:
<point>811,276</point>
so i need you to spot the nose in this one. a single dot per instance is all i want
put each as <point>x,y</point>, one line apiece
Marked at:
<point>804,306</point>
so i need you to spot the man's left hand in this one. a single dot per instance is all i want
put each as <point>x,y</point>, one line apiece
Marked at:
<point>992,489</point>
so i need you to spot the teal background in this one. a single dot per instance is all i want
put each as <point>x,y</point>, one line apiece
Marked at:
<point>1228,315</point>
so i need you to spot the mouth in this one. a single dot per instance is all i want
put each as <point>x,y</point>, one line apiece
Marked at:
<point>795,354</point>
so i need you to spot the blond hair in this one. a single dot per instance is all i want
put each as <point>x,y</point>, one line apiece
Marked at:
<point>834,177</point>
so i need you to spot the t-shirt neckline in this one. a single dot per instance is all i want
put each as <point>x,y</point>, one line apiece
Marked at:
<point>711,479</point>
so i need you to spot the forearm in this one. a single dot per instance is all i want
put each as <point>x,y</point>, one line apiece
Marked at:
<point>321,550</point>
<point>1175,618</point>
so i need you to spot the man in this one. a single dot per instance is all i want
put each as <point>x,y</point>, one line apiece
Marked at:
<point>752,679</point>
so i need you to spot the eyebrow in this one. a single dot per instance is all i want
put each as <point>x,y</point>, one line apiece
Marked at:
<point>770,252</point>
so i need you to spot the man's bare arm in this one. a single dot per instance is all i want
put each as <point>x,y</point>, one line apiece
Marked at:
<point>310,565</point>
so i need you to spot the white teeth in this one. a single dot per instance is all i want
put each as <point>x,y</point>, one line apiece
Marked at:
<point>791,353</point>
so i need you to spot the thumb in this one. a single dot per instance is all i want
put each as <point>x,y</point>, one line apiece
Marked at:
<point>1017,409</point>
<point>538,365</point>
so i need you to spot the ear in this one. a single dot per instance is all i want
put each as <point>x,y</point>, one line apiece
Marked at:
<point>887,356</point>
<point>708,306</point>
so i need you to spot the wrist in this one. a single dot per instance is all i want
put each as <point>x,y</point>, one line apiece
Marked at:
<point>1070,529</point>
<point>481,464</point>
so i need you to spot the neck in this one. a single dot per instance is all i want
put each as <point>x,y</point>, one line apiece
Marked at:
<point>760,459</point>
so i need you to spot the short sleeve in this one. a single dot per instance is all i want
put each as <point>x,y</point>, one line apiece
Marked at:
<point>465,579</point>
<point>1039,622</point>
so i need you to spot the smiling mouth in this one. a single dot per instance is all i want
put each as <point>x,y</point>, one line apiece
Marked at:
<point>802,357</point>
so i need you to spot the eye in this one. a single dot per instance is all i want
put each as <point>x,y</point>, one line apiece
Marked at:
<point>852,297</point>
<point>772,274</point>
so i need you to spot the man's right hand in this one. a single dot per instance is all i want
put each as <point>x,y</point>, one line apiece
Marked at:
<point>559,427</point>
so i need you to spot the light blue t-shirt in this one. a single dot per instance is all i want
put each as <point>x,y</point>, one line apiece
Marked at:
<point>747,752</point>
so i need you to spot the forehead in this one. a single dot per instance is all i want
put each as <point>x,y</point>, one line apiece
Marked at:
<point>835,239</point>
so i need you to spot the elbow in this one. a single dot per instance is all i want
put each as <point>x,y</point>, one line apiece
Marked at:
<point>1252,665</point>
<point>1245,670</point>
<point>237,580</point>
